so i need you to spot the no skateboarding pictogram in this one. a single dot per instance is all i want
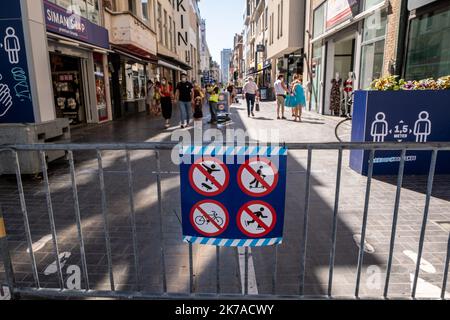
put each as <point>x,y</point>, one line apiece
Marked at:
<point>209,176</point>
<point>210,218</point>
<point>258,177</point>
<point>256,219</point>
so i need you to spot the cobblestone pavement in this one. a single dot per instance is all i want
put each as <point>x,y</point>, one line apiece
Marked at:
<point>314,128</point>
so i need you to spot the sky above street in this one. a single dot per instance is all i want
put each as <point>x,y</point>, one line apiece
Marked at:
<point>223,20</point>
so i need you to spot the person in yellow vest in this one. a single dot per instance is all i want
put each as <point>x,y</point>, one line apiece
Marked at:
<point>213,100</point>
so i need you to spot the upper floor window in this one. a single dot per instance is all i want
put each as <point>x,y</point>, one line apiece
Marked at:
<point>319,21</point>
<point>145,9</point>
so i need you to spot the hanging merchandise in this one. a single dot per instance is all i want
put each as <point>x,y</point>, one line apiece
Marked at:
<point>348,93</point>
<point>335,101</point>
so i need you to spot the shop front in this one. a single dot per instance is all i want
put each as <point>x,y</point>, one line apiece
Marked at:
<point>348,52</point>
<point>129,77</point>
<point>78,58</point>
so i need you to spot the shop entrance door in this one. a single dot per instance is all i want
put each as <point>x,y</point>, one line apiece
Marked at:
<point>342,69</point>
<point>69,88</point>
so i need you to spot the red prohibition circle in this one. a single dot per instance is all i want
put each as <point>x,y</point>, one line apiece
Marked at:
<point>200,191</point>
<point>245,207</point>
<point>227,216</point>
<point>247,164</point>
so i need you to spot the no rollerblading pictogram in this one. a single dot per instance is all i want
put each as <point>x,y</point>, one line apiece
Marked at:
<point>258,177</point>
<point>256,219</point>
<point>210,218</point>
<point>209,176</point>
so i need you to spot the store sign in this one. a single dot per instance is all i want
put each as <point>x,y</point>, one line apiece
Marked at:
<point>339,11</point>
<point>260,48</point>
<point>233,196</point>
<point>69,24</point>
<point>400,116</point>
<point>415,4</point>
<point>16,104</point>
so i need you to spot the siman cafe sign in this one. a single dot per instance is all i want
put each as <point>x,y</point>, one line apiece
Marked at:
<point>67,22</point>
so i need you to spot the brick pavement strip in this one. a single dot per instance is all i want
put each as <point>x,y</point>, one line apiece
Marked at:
<point>316,128</point>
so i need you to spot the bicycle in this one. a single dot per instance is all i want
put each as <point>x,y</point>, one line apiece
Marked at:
<point>201,220</point>
<point>348,117</point>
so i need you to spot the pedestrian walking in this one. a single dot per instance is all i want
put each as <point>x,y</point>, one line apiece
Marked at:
<point>280,91</point>
<point>296,100</point>
<point>213,101</point>
<point>166,93</point>
<point>250,91</point>
<point>184,96</point>
<point>199,98</point>
<point>232,93</point>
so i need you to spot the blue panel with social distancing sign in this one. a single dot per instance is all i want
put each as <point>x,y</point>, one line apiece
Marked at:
<point>401,116</point>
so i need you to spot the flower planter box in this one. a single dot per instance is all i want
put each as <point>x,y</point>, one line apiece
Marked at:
<point>401,116</point>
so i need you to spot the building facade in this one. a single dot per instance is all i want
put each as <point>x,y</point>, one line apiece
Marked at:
<point>361,40</point>
<point>237,63</point>
<point>225,57</point>
<point>286,30</point>
<point>78,53</point>
<point>133,60</point>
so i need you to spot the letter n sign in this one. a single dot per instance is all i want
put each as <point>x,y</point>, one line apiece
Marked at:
<point>233,196</point>
<point>16,105</point>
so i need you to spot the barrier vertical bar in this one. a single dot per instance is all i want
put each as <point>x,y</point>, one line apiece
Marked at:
<point>6,256</point>
<point>275,271</point>
<point>335,223</point>
<point>246,273</point>
<point>160,210</point>
<point>425,220</point>
<point>101,175</point>
<point>26,221</point>
<point>191,270</point>
<point>401,171</point>
<point>447,262</point>
<point>78,219</point>
<point>133,221</point>
<point>364,224</point>
<point>305,223</point>
<point>218,269</point>
<point>51,218</point>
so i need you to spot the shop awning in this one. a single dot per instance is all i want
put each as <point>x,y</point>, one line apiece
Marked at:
<point>174,64</point>
<point>253,71</point>
<point>80,44</point>
<point>170,66</point>
<point>133,56</point>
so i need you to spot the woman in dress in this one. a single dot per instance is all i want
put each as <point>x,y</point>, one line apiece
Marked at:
<point>296,100</point>
<point>198,103</point>
<point>167,96</point>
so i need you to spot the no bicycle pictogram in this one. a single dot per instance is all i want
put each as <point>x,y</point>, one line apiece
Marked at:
<point>209,176</point>
<point>210,218</point>
<point>258,177</point>
<point>256,219</point>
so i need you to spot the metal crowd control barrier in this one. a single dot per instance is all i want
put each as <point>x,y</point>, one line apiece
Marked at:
<point>38,291</point>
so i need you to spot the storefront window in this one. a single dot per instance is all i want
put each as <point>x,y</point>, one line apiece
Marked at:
<point>375,26</point>
<point>372,63</point>
<point>100,89</point>
<point>428,54</point>
<point>370,3</point>
<point>133,88</point>
<point>372,51</point>
<point>319,21</point>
